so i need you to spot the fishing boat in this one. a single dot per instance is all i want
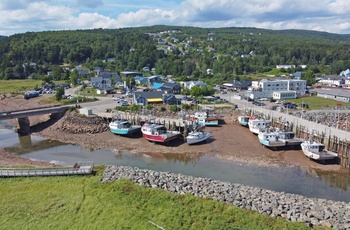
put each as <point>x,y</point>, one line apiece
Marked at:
<point>243,120</point>
<point>203,118</point>
<point>257,125</point>
<point>158,133</point>
<point>197,137</point>
<point>274,137</point>
<point>316,151</point>
<point>123,127</point>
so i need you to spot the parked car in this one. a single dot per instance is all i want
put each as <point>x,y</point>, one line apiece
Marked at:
<point>124,103</point>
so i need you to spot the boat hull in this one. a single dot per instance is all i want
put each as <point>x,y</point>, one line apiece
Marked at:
<point>268,143</point>
<point>160,138</point>
<point>208,122</point>
<point>194,140</point>
<point>125,131</point>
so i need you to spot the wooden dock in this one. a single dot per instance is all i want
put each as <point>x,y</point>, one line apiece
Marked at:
<point>79,168</point>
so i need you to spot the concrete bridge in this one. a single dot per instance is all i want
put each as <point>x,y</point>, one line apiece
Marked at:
<point>23,114</point>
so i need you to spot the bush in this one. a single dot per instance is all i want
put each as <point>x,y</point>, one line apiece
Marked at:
<point>163,109</point>
<point>185,106</point>
<point>149,107</point>
<point>174,108</point>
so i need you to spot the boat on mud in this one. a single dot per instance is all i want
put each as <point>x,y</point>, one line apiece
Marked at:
<point>316,151</point>
<point>195,137</point>
<point>204,118</point>
<point>274,137</point>
<point>243,120</point>
<point>123,127</point>
<point>158,133</point>
<point>257,125</point>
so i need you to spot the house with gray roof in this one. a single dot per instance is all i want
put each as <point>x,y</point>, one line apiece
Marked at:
<point>171,87</point>
<point>146,98</point>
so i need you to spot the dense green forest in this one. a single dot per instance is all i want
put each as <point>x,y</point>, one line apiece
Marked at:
<point>197,49</point>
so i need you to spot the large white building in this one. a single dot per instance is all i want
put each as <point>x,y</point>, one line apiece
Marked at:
<point>277,89</point>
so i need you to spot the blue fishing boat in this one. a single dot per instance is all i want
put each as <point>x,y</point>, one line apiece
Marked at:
<point>123,127</point>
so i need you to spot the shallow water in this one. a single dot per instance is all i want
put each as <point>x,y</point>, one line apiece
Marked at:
<point>287,179</point>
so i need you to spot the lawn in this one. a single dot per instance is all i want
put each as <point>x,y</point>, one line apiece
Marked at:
<point>83,202</point>
<point>315,102</point>
<point>18,86</point>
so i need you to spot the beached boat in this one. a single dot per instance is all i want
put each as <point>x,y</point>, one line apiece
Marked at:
<point>123,127</point>
<point>197,137</point>
<point>203,118</point>
<point>257,125</point>
<point>274,137</point>
<point>243,120</point>
<point>316,150</point>
<point>158,133</point>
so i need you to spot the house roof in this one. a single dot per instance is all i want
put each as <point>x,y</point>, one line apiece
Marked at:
<point>170,84</point>
<point>149,94</point>
<point>157,85</point>
<point>333,91</point>
<point>239,84</point>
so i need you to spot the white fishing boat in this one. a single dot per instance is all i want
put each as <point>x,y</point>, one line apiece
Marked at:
<point>274,137</point>
<point>204,118</point>
<point>257,125</point>
<point>316,150</point>
<point>197,137</point>
<point>243,120</point>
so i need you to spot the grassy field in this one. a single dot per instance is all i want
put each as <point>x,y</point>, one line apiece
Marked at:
<point>83,202</point>
<point>315,102</point>
<point>18,86</point>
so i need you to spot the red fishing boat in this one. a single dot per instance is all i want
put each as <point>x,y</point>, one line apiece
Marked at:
<point>158,133</point>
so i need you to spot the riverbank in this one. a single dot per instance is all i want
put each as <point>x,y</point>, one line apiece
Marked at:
<point>292,207</point>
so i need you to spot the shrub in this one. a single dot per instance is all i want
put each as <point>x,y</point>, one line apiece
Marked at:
<point>174,108</point>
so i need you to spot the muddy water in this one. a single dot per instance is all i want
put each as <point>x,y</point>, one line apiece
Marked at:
<point>310,183</point>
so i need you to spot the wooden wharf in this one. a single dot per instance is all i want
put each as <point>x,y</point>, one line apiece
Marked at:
<point>79,168</point>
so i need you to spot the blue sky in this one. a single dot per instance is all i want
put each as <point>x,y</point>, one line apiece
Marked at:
<point>20,16</point>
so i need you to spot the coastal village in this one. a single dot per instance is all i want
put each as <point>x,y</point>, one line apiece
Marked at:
<point>250,122</point>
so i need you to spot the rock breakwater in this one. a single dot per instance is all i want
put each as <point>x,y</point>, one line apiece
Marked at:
<point>76,123</point>
<point>292,207</point>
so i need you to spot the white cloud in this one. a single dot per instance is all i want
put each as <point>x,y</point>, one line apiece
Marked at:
<point>33,15</point>
<point>147,17</point>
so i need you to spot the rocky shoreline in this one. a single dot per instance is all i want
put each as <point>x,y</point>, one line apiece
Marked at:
<point>292,207</point>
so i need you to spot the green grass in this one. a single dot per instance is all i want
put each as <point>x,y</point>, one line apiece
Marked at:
<point>18,86</point>
<point>315,102</point>
<point>82,202</point>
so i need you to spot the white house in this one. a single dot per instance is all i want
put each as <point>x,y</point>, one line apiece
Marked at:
<point>190,84</point>
<point>285,66</point>
<point>335,81</point>
<point>270,88</point>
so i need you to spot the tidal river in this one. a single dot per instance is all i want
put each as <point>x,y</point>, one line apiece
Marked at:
<point>308,183</point>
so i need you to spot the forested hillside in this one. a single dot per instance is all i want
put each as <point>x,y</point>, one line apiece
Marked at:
<point>178,51</point>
